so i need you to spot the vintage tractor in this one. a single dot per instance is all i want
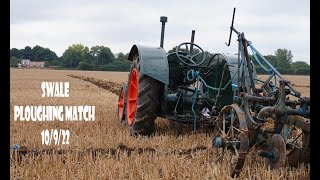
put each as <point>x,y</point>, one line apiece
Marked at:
<point>187,85</point>
<point>190,85</point>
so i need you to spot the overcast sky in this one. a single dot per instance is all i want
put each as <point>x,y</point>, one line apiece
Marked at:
<point>57,24</point>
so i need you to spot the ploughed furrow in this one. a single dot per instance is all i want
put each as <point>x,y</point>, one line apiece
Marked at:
<point>108,85</point>
<point>121,149</point>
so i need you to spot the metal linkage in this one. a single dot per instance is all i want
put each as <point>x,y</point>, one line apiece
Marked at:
<point>273,123</point>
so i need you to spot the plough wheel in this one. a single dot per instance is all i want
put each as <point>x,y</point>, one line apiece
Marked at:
<point>231,134</point>
<point>296,135</point>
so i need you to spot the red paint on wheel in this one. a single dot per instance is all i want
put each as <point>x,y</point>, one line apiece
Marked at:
<point>132,96</point>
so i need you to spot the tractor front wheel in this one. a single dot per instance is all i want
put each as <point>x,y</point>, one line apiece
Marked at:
<point>122,103</point>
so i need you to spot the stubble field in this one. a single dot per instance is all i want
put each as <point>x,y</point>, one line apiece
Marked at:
<point>104,149</point>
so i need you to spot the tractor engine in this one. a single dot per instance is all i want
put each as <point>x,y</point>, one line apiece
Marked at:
<point>215,89</point>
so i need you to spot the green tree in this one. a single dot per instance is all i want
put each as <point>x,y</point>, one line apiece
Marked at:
<point>121,56</point>
<point>126,56</point>
<point>38,52</point>
<point>43,54</point>
<point>27,53</point>
<point>283,58</point>
<point>85,66</point>
<point>14,52</point>
<point>75,54</point>
<point>271,59</point>
<point>94,52</point>
<point>302,71</point>
<point>105,56</point>
<point>90,59</point>
<point>14,61</point>
<point>102,55</point>
<point>300,65</point>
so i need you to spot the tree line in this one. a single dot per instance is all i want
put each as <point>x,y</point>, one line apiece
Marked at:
<point>282,61</point>
<point>78,56</point>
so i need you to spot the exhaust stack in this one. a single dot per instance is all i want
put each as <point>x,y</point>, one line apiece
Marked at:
<point>163,20</point>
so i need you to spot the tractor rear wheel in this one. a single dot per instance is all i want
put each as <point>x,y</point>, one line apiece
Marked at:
<point>143,101</point>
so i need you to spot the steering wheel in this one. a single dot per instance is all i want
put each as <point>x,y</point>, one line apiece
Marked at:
<point>190,56</point>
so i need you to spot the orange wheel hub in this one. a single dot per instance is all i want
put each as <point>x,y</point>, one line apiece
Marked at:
<point>132,96</point>
<point>121,104</point>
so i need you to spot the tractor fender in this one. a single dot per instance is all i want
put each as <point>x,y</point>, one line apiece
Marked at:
<point>153,62</point>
